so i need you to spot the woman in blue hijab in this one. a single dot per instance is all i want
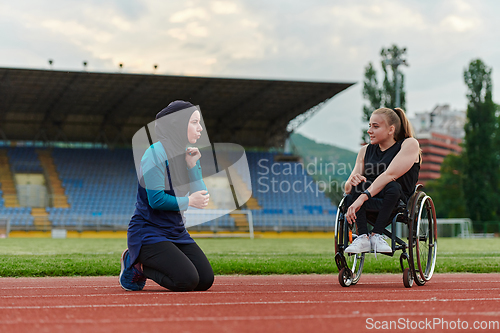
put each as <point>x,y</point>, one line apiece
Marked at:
<point>170,180</point>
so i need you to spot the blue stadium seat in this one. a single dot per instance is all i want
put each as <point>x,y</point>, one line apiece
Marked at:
<point>100,183</point>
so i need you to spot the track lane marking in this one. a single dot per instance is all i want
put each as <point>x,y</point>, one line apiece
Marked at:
<point>170,294</point>
<point>434,299</point>
<point>250,318</point>
<point>333,282</point>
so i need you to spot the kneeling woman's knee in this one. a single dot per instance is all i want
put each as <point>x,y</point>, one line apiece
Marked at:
<point>206,281</point>
<point>195,282</point>
<point>188,282</point>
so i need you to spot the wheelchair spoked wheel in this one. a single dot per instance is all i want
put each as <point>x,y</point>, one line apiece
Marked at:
<point>351,264</point>
<point>355,263</point>
<point>423,239</point>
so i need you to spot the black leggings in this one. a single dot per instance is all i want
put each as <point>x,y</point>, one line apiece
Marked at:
<point>384,203</point>
<point>177,267</point>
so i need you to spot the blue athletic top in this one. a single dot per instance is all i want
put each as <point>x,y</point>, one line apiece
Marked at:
<point>159,214</point>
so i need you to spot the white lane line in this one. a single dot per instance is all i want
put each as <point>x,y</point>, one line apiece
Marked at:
<point>242,292</point>
<point>249,318</point>
<point>365,281</point>
<point>297,283</point>
<point>433,299</point>
<point>59,287</point>
<point>333,282</point>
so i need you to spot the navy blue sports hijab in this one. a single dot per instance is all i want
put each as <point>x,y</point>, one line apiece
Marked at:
<point>171,129</point>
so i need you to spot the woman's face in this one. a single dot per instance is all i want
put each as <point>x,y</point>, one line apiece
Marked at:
<point>194,127</point>
<point>379,130</point>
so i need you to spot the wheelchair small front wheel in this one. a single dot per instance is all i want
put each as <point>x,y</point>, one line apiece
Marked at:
<point>345,277</point>
<point>407,278</point>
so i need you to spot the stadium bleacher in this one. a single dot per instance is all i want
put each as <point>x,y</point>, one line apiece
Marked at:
<point>289,197</point>
<point>101,186</point>
<point>18,216</point>
<point>24,160</point>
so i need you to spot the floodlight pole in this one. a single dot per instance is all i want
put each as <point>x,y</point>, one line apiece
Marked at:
<point>395,63</point>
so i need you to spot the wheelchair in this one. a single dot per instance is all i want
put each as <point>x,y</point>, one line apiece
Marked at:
<point>419,249</point>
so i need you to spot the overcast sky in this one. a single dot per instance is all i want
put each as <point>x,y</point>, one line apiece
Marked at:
<point>300,40</point>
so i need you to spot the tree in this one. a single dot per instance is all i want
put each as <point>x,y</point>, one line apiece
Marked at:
<point>384,96</point>
<point>481,162</point>
<point>372,93</point>
<point>447,191</point>
<point>391,59</point>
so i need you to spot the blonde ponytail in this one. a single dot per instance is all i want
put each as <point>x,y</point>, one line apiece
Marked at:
<point>397,117</point>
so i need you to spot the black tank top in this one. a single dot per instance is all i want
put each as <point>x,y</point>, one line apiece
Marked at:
<point>377,161</point>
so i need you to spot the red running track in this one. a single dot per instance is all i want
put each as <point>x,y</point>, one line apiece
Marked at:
<point>281,303</point>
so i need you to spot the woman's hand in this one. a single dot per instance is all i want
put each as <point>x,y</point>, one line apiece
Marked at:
<point>352,210</point>
<point>192,156</point>
<point>356,179</point>
<point>199,199</point>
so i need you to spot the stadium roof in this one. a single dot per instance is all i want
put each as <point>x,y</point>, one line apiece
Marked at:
<point>50,105</point>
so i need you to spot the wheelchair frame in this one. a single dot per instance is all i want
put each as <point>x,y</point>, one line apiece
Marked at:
<point>420,217</point>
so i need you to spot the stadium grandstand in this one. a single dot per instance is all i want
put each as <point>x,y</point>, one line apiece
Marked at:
<point>66,160</point>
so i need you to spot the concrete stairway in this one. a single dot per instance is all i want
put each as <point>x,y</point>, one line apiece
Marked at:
<point>59,198</point>
<point>240,221</point>
<point>40,219</point>
<point>7,181</point>
<point>252,203</point>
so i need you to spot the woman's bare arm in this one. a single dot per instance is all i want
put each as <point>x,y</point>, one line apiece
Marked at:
<point>356,176</point>
<point>400,165</point>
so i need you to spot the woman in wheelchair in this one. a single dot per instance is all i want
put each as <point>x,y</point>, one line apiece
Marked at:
<point>386,172</point>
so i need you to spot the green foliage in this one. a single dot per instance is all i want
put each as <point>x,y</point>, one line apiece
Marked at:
<point>447,191</point>
<point>394,55</point>
<point>481,162</point>
<point>372,93</point>
<point>384,96</point>
<point>469,183</point>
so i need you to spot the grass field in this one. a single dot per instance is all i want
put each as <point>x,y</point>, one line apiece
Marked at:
<point>94,257</point>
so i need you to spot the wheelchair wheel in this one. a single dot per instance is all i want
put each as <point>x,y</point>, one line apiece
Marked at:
<point>355,262</point>
<point>407,278</point>
<point>345,277</point>
<point>423,238</point>
<point>344,235</point>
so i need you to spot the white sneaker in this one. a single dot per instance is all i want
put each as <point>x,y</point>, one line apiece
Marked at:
<point>378,244</point>
<point>359,245</point>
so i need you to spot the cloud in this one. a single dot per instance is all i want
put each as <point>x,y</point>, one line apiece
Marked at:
<point>76,32</point>
<point>224,7</point>
<point>321,40</point>
<point>189,14</point>
<point>460,24</point>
